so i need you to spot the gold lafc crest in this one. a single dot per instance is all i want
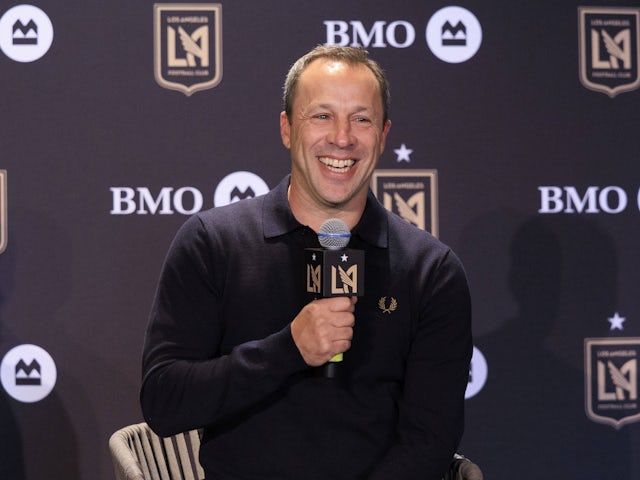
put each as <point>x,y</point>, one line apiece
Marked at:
<point>412,194</point>
<point>188,46</point>
<point>609,44</point>
<point>3,210</point>
<point>611,380</point>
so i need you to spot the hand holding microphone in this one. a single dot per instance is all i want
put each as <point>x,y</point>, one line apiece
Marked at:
<point>335,277</point>
<point>324,328</point>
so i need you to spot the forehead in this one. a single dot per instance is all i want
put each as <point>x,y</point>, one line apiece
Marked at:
<point>324,74</point>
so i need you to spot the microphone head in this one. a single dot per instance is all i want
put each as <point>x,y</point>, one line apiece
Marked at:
<point>334,234</point>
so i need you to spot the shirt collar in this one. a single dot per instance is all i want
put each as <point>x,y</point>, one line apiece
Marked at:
<point>277,218</point>
<point>373,226</point>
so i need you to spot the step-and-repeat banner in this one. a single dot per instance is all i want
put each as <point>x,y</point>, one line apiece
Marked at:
<point>515,139</point>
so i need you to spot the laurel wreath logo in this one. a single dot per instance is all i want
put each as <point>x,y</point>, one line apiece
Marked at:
<point>382,304</point>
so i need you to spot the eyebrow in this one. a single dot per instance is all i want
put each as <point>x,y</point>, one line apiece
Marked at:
<point>357,108</point>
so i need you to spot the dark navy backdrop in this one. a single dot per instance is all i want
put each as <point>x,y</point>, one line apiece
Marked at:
<point>513,133</point>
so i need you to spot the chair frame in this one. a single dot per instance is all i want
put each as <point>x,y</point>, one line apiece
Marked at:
<point>139,454</point>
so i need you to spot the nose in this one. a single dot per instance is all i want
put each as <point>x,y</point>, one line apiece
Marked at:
<point>341,134</point>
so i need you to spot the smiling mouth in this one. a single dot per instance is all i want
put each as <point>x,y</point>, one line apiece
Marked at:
<point>336,165</point>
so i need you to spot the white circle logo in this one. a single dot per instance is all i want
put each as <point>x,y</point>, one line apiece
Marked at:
<point>238,186</point>
<point>28,373</point>
<point>26,33</point>
<point>454,34</point>
<point>477,374</point>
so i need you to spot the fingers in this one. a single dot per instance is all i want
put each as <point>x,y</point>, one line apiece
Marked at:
<point>340,304</point>
<point>324,328</point>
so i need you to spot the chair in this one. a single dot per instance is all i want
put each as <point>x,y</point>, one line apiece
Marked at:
<point>140,454</point>
<point>463,469</point>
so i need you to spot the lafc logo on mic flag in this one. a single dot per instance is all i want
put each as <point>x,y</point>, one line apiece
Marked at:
<point>335,273</point>
<point>611,380</point>
<point>412,194</point>
<point>188,46</point>
<point>609,48</point>
<point>3,210</point>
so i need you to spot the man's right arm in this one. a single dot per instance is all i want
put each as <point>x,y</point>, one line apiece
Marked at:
<point>187,383</point>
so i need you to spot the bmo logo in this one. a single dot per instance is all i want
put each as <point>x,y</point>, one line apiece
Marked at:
<point>397,34</point>
<point>184,200</point>
<point>594,199</point>
<point>238,186</point>
<point>167,201</point>
<point>453,34</point>
<point>478,373</point>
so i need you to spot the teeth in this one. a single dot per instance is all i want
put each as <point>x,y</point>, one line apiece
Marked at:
<point>336,165</point>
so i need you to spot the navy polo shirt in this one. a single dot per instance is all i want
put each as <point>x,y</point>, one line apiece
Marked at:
<point>219,352</point>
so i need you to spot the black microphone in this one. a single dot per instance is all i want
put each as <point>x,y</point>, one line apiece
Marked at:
<point>334,271</point>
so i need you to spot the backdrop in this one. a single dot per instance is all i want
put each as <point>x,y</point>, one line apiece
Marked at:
<point>515,139</point>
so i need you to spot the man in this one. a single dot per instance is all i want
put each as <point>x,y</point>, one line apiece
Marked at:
<point>234,344</point>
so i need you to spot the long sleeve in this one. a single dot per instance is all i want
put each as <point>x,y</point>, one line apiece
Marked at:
<point>431,408</point>
<point>190,379</point>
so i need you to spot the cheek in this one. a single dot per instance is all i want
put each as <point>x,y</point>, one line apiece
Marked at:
<point>306,140</point>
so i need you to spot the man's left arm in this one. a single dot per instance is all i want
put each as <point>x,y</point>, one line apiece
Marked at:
<point>431,409</point>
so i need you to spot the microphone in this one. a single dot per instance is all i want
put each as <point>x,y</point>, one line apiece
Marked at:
<point>334,234</point>
<point>334,271</point>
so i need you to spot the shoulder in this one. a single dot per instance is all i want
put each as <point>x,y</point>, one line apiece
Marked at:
<point>419,250</point>
<point>233,214</point>
<point>407,236</point>
<point>249,216</point>
<point>221,227</point>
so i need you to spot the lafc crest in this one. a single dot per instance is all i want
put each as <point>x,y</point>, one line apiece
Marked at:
<point>412,194</point>
<point>188,46</point>
<point>611,380</point>
<point>609,48</point>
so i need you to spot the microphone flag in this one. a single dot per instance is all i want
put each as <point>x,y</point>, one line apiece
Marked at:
<point>334,271</point>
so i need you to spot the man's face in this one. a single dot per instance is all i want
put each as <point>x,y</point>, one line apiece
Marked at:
<point>336,135</point>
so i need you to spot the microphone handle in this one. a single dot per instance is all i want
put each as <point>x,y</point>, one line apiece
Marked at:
<point>329,369</point>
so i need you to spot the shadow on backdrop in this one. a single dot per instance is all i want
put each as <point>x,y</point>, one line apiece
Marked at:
<point>529,421</point>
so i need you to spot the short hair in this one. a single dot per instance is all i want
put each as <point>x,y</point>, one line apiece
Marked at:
<point>349,55</point>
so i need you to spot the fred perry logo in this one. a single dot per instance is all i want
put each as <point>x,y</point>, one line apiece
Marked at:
<point>387,307</point>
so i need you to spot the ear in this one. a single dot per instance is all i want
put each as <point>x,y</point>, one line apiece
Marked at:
<point>383,136</point>
<point>285,130</point>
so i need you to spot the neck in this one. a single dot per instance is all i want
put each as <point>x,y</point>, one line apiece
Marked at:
<point>311,215</point>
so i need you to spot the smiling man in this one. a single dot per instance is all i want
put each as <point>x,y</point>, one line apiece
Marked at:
<point>336,128</point>
<point>234,345</point>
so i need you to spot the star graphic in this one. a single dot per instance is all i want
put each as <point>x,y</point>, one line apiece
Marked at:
<point>403,153</point>
<point>616,322</point>
<point>344,257</point>
<point>313,257</point>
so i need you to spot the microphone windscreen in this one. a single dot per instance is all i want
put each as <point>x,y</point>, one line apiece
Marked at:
<point>334,234</point>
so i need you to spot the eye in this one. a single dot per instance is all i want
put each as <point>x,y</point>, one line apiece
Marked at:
<point>362,120</point>
<point>321,116</point>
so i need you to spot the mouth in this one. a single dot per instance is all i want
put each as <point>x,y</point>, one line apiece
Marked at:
<point>337,165</point>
